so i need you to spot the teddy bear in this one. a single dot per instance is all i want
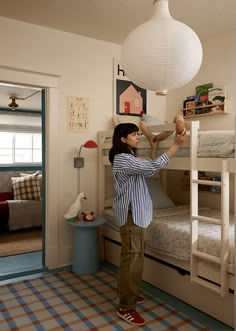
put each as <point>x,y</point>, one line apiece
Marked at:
<point>88,216</point>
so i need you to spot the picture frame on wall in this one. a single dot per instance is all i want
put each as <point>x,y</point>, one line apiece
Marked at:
<point>77,114</point>
<point>129,99</point>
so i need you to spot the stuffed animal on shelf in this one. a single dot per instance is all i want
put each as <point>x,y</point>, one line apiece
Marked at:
<point>88,216</point>
<point>74,209</point>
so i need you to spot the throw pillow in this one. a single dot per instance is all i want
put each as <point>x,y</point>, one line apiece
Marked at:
<point>23,174</point>
<point>159,198</point>
<point>126,119</point>
<point>151,120</point>
<point>26,188</point>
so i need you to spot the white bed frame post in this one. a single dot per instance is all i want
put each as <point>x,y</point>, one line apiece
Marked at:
<point>224,251</point>
<point>196,255</point>
<point>194,127</point>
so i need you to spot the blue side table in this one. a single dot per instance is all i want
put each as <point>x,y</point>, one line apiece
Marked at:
<point>85,249</point>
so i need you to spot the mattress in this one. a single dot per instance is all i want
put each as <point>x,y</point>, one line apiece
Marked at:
<point>169,233</point>
<point>212,144</point>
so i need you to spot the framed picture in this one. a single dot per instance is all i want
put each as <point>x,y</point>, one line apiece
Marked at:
<point>77,114</point>
<point>129,99</point>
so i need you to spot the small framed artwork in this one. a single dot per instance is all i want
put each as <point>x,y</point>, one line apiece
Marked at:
<point>77,114</point>
<point>129,99</point>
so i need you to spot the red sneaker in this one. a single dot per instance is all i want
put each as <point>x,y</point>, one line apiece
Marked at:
<point>140,299</point>
<point>130,316</point>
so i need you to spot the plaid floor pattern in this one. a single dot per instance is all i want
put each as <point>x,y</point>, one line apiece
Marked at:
<point>64,301</point>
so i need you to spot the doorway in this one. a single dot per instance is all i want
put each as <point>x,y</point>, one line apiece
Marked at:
<point>50,82</point>
<point>22,163</point>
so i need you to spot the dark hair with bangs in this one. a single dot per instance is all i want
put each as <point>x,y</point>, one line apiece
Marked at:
<point>122,130</point>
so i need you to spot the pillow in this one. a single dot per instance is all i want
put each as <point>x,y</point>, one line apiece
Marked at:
<point>126,119</point>
<point>23,174</point>
<point>151,120</point>
<point>26,188</point>
<point>159,198</point>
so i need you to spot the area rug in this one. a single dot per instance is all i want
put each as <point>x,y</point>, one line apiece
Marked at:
<point>14,243</point>
<point>64,301</point>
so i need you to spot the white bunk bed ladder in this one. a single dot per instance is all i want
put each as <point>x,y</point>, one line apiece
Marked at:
<point>196,255</point>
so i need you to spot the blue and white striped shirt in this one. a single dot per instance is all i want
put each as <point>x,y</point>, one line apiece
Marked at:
<point>131,190</point>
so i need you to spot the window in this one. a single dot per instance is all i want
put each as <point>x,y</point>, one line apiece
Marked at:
<point>20,148</point>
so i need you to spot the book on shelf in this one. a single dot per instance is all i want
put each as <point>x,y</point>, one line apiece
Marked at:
<point>199,111</point>
<point>193,97</point>
<point>216,96</point>
<point>203,97</point>
<point>189,105</point>
<point>206,95</point>
<point>203,89</point>
<point>216,188</point>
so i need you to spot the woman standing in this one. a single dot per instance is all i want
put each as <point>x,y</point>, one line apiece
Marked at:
<point>132,205</point>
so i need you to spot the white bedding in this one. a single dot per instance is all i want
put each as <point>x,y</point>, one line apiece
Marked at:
<point>211,144</point>
<point>169,233</point>
<point>216,144</point>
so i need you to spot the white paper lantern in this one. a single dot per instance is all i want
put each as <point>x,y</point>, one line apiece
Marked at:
<point>161,54</point>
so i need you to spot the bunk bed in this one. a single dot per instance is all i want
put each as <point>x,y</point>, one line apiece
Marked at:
<point>204,275</point>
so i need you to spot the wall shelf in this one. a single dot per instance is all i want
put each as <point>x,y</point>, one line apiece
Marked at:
<point>191,111</point>
<point>207,114</point>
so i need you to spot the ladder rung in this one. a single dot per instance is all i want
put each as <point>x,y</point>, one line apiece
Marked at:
<point>206,284</point>
<point>207,182</point>
<point>198,256</point>
<point>206,219</point>
<point>207,257</point>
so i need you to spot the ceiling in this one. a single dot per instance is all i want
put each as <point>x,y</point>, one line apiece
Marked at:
<point>112,20</point>
<point>28,98</point>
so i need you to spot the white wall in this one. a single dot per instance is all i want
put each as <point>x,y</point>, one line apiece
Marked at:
<point>84,67</point>
<point>218,67</point>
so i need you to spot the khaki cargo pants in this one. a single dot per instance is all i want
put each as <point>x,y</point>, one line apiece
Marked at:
<point>131,263</point>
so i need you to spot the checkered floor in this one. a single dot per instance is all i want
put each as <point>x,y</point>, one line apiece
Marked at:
<point>63,301</point>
